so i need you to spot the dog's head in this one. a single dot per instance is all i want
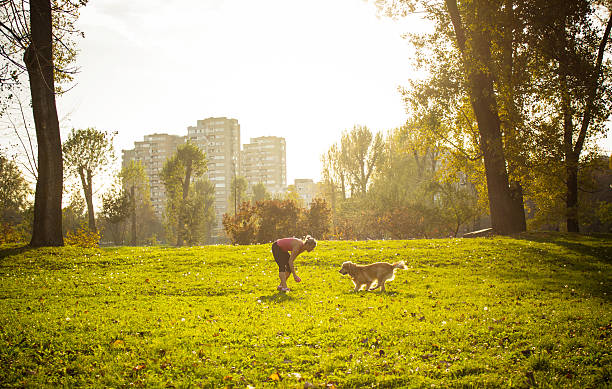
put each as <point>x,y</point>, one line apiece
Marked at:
<point>346,266</point>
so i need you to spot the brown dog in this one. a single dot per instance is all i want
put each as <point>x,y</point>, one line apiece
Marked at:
<point>380,272</point>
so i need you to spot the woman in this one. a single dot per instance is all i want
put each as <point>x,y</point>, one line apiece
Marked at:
<point>280,251</point>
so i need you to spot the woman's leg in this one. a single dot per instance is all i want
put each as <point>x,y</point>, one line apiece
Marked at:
<point>283,279</point>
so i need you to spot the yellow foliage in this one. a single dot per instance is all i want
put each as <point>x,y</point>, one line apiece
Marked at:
<point>82,237</point>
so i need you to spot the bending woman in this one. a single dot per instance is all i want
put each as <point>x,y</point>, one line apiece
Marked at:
<point>280,251</point>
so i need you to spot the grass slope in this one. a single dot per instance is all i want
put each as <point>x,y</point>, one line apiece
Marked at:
<point>494,312</point>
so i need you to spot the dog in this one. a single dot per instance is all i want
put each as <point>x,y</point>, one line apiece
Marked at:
<point>365,275</point>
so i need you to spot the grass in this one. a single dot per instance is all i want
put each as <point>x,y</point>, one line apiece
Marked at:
<point>514,312</point>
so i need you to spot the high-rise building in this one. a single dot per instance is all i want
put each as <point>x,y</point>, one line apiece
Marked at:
<point>219,138</point>
<point>152,153</point>
<point>264,160</point>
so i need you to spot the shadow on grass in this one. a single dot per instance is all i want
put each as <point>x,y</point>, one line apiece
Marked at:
<point>579,262</point>
<point>377,293</point>
<point>583,245</point>
<point>278,297</point>
<point>13,250</point>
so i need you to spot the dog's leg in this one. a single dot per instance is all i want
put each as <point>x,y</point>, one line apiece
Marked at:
<point>377,286</point>
<point>382,286</point>
<point>367,286</point>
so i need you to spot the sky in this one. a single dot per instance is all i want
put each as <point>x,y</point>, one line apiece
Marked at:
<point>302,70</point>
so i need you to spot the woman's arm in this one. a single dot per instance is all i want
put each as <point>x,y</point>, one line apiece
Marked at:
<point>297,249</point>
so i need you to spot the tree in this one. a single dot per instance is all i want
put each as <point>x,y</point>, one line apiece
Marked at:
<point>572,45</point>
<point>238,192</point>
<point>188,163</point>
<point>260,192</point>
<point>242,227</point>
<point>292,195</point>
<point>473,40</point>
<point>43,43</point>
<point>87,153</point>
<point>334,174</point>
<point>73,215</point>
<point>199,213</point>
<point>116,208</point>
<point>317,219</point>
<point>14,191</point>
<point>360,154</point>
<point>135,182</point>
<point>536,71</point>
<point>277,218</point>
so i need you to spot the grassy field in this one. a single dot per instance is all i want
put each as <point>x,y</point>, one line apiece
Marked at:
<point>530,311</point>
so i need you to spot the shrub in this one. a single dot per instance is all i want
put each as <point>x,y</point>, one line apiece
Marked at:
<point>82,237</point>
<point>10,234</point>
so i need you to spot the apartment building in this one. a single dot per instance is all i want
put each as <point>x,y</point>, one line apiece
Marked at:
<point>152,153</point>
<point>306,188</point>
<point>219,138</point>
<point>264,160</point>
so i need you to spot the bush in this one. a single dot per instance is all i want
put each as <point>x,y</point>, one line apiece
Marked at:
<point>268,220</point>
<point>10,234</point>
<point>82,237</point>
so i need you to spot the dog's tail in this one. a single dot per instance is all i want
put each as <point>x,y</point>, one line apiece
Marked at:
<point>400,265</point>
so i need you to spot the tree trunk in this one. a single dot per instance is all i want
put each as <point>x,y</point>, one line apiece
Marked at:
<point>180,226</point>
<point>38,57</point>
<point>88,192</point>
<point>572,152</point>
<point>505,217</point>
<point>133,195</point>
<point>571,198</point>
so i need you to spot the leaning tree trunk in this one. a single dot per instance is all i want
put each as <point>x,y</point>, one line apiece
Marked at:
<point>505,217</point>
<point>86,181</point>
<point>572,154</point>
<point>38,57</point>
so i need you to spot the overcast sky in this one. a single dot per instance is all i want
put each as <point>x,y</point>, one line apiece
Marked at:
<point>303,70</point>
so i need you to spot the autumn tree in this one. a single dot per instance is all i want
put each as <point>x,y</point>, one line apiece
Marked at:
<point>267,220</point>
<point>242,226</point>
<point>466,60</point>
<point>524,81</point>
<point>571,41</point>
<point>189,162</point>
<point>87,153</point>
<point>37,39</point>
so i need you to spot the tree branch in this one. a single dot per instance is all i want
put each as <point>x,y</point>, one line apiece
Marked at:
<point>593,89</point>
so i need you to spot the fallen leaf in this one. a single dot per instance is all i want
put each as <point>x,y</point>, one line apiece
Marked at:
<point>275,376</point>
<point>118,343</point>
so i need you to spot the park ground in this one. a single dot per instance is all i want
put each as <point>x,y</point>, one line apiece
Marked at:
<point>532,310</point>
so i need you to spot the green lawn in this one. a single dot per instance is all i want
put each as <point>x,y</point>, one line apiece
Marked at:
<point>535,310</point>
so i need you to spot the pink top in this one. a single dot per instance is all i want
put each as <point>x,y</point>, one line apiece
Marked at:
<point>285,244</point>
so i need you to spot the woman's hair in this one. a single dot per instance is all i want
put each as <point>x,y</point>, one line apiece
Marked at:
<point>309,240</point>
